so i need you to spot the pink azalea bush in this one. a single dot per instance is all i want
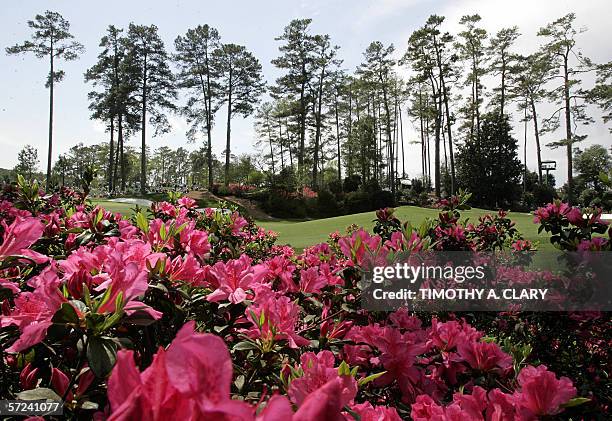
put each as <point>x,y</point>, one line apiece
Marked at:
<point>180,314</point>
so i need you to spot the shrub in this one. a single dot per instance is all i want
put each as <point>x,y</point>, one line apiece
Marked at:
<point>177,313</point>
<point>381,199</point>
<point>356,202</point>
<point>327,205</point>
<point>351,183</point>
<point>335,186</point>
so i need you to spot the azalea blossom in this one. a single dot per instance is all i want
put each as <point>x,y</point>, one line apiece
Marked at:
<point>19,236</point>
<point>188,381</point>
<point>280,316</point>
<point>318,369</point>
<point>233,279</point>
<point>541,392</point>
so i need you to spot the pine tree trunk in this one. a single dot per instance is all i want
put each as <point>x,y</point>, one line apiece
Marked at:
<point>302,129</point>
<point>280,143</point>
<point>338,135</point>
<point>50,147</point>
<point>271,148</point>
<point>229,129</point>
<point>143,152</point>
<point>120,140</point>
<point>503,87</point>
<point>315,167</point>
<point>537,139</point>
<point>111,155</point>
<point>568,132</point>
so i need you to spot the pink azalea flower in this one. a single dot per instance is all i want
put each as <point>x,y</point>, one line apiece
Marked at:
<point>19,236</point>
<point>238,222</point>
<point>194,241</point>
<point>188,381</point>
<point>280,318</point>
<point>367,412</point>
<point>356,246</point>
<point>28,378</point>
<point>426,409</point>
<point>398,356</point>
<point>79,219</point>
<point>277,408</point>
<point>325,403</point>
<point>123,277</point>
<point>234,278</point>
<point>522,245</point>
<point>472,405</point>
<point>187,269</point>
<point>60,382</point>
<point>483,356</point>
<point>127,230</point>
<point>594,244</point>
<point>32,315</point>
<point>318,370</point>
<point>52,224</point>
<point>311,281</point>
<point>500,406</point>
<point>574,216</point>
<point>280,267</point>
<point>331,329</point>
<point>541,392</point>
<point>403,320</point>
<point>11,286</point>
<point>187,202</point>
<point>446,336</point>
<point>166,208</point>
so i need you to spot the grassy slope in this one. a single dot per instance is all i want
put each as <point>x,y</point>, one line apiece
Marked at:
<point>123,208</point>
<point>304,234</point>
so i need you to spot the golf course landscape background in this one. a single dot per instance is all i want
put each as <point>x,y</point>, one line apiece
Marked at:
<point>195,195</point>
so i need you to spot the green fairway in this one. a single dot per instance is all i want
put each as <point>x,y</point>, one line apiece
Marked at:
<point>125,209</point>
<point>304,234</point>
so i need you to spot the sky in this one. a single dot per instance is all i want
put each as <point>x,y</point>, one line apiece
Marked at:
<point>352,24</point>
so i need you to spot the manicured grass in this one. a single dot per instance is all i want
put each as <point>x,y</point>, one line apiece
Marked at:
<point>125,209</point>
<point>304,234</point>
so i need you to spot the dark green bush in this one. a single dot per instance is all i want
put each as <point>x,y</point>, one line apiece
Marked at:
<point>327,205</point>
<point>357,201</point>
<point>352,183</point>
<point>381,199</point>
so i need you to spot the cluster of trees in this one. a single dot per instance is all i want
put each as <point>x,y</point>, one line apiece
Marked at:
<point>167,168</point>
<point>322,123</point>
<point>136,87</point>
<point>461,93</point>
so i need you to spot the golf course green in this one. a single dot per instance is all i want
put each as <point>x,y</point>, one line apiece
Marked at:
<point>301,234</point>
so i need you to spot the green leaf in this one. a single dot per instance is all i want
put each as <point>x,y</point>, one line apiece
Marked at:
<point>89,405</point>
<point>41,393</point>
<point>101,355</point>
<point>575,402</point>
<point>139,317</point>
<point>244,346</point>
<point>79,305</point>
<point>119,302</point>
<point>87,296</point>
<point>66,314</point>
<point>344,369</point>
<point>239,382</point>
<point>370,378</point>
<point>103,300</point>
<point>142,222</point>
